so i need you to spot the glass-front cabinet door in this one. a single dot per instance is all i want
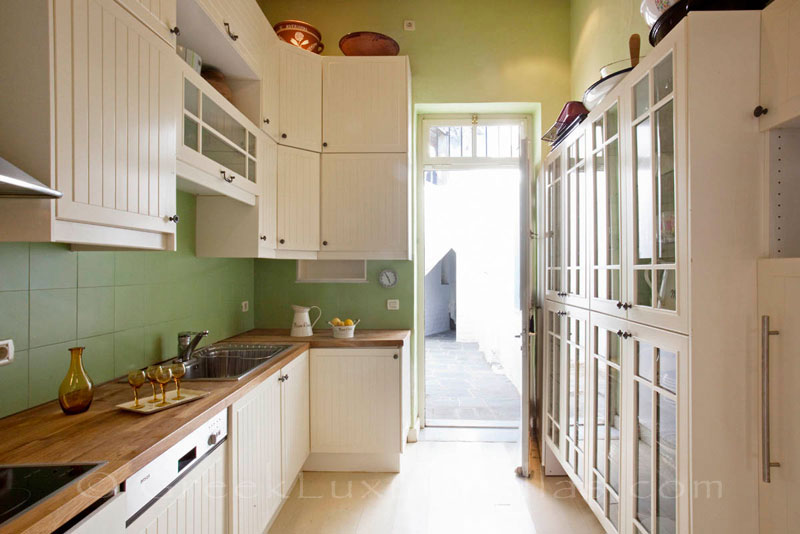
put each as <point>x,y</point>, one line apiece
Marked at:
<point>553,236</point>
<point>606,215</point>
<point>575,291</point>
<point>655,257</point>
<point>552,373</point>
<point>574,345</point>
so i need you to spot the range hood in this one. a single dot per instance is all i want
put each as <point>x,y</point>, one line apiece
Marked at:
<point>15,183</point>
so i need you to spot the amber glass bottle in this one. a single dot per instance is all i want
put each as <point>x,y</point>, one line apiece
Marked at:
<point>76,390</point>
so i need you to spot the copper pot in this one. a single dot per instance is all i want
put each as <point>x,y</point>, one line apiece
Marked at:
<point>368,44</point>
<point>300,34</point>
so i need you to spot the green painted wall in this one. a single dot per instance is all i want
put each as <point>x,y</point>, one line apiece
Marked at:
<point>276,290</point>
<point>125,307</point>
<point>599,32</point>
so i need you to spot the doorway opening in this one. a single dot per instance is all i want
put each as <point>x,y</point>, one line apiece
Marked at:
<point>473,315</point>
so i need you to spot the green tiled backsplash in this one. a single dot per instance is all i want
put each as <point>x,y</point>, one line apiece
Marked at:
<point>126,308</point>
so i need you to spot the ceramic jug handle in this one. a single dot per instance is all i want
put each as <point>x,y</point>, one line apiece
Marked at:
<point>318,316</point>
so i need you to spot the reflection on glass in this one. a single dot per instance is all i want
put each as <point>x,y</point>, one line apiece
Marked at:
<point>597,133</point>
<point>613,347</point>
<point>251,169</point>
<point>556,379</point>
<point>223,153</point>
<point>466,142</point>
<point>600,215</point>
<point>555,234</point>
<point>643,194</point>
<point>641,96</point>
<point>190,136</point>
<point>612,210</point>
<point>644,291</point>
<point>480,134</point>
<point>572,382</point>
<point>667,370</point>
<point>251,144</point>
<point>599,492</point>
<point>504,141</point>
<point>580,376</point>
<point>611,122</point>
<point>217,118</point>
<point>665,290</point>
<point>574,222</point>
<point>444,142</point>
<point>666,474</point>
<point>571,156</point>
<point>191,98</point>
<point>600,422</point>
<point>662,78</point>
<point>644,360</point>
<point>665,165</point>
<point>492,142</point>
<point>614,432</point>
<point>644,442</point>
<point>613,510</point>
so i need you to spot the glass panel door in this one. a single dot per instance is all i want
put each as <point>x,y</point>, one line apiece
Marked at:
<point>553,241</point>
<point>553,370</point>
<point>574,231</point>
<point>575,361</point>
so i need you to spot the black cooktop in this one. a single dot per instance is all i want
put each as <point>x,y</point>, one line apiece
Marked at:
<point>22,486</point>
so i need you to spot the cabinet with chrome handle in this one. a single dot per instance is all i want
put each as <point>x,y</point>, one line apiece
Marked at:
<point>766,463</point>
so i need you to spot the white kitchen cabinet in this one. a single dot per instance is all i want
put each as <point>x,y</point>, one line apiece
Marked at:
<point>158,15</point>
<point>357,404</point>
<point>243,25</point>
<point>365,104</point>
<point>780,64</point>
<point>270,87</point>
<point>108,518</point>
<point>553,242</point>
<point>94,117</point>
<point>365,207</point>
<point>300,120</point>
<point>255,467</point>
<point>227,228</point>
<point>196,504</point>
<point>298,200</point>
<point>295,436</point>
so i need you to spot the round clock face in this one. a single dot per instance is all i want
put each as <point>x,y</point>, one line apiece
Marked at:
<point>387,278</point>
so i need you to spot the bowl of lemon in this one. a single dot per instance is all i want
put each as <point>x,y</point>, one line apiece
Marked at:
<point>343,329</point>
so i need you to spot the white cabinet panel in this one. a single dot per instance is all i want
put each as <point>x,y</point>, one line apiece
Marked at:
<point>109,518</point>
<point>197,504</point>
<point>295,413</point>
<point>256,457</point>
<point>365,205</point>
<point>242,23</point>
<point>365,104</point>
<point>300,98</point>
<point>270,88</point>
<point>780,64</point>
<point>298,199</point>
<point>267,199</point>
<point>159,15</point>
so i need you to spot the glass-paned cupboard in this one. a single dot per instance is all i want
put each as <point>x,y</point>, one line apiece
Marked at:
<point>574,214</point>
<point>553,243</point>
<point>553,377</point>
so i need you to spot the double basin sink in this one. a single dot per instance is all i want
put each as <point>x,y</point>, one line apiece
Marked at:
<point>230,361</point>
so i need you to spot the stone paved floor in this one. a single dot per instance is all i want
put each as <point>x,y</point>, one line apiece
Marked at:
<point>461,385</point>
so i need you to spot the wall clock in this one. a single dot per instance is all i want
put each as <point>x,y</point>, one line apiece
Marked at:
<point>387,278</point>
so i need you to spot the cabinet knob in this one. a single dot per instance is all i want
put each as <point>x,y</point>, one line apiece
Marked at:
<point>174,219</point>
<point>176,31</point>
<point>626,335</point>
<point>395,356</point>
<point>324,243</point>
<point>281,379</point>
<point>286,377</point>
<point>760,111</point>
<point>619,305</point>
<point>263,238</point>
<point>627,306</point>
<point>282,241</point>
<point>283,136</point>
<point>232,35</point>
<point>266,121</point>
<point>324,144</point>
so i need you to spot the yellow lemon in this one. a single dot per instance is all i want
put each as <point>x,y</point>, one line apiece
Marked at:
<point>336,321</point>
<point>348,322</point>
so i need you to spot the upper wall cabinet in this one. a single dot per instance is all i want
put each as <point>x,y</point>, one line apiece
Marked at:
<point>90,102</point>
<point>298,203</point>
<point>780,64</point>
<point>366,104</point>
<point>159,15</point>
<point>270,88</point>
<point>300,98</point>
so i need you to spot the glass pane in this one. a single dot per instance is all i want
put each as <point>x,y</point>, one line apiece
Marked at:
<point>466,141</point>
<point>191,98</point>
<point>556,378</point>
<point>223,153</point>
<point>555,236</point>
<point>581,377</point>
<point>251,169</point>
<point>599,492</point>
<point>600,418</point>
<point>515,141</point>
<point>190,137</point>
<point>251,144</point>
<point>504,141</point>
<point>579,464</point>
<point>665,165</point>
<point>613,199</point>
<point>571,156</point>
<point>611,122</point>
<point>662,78</point>
<point>492,142</point>
<point>571,392</point>
<point>644,360</point>
<point>433,142</point>
<point>665,291</point>
<point>443,150</point>
<point>641,97</point>
<point>667,370</point>
<point>597,133</point>
<point>613,510</point>
<point>481,141</point>
<point>214,116</point>
<point>644,440</point>
<point>643,194</point>
<point>614,422</point>
<point>667,478</point>
<point>455,142</point>
<point>644,294</point>
<point>614,348</point>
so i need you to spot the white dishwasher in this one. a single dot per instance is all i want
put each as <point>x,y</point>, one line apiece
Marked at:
<point>184,490</point>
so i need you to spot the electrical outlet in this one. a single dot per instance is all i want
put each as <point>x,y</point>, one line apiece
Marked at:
<point>6,351</point>
<point>409,25</point>
<point>245,306</point>
<point>393,304</point>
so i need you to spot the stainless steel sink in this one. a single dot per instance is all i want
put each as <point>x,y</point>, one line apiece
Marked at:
<point>230,361</point>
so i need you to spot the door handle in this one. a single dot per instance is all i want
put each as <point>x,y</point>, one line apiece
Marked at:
<point>766,464</point>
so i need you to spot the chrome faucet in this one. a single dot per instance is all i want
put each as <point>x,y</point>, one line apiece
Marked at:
<point>187,341</point>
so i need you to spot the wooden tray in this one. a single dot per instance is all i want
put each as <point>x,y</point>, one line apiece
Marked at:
<point>189,395</point>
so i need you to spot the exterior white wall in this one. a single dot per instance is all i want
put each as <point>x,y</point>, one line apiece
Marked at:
<point>440,298</point>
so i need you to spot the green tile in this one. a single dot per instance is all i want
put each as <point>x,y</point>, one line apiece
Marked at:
<point>14,317</point>
<point>53,316</point>
<point>129,267</point>
<point>95,269</point>
<point>128,351</point>
<point>98,358</point>
<point>48,367</point>
<point>53,266</point>
<point>95,311</point>
<point>129,307</point>
<point>14,384</point>
<point>14,266</point>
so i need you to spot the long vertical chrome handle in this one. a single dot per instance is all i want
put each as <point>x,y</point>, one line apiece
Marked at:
<point>766,464</point>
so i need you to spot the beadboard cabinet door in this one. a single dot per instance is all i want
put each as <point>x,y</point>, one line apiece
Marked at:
<point>116,101</point>
<point>267,199</point>
<point>296,439</point>
<point>365,206</point>
<point>300,98</point>
<point>780,64</point>
<point>270,88</point>
<point>159,15</point>
<point>298,199</point>
<point>255,471</point>
<point>365,104</point>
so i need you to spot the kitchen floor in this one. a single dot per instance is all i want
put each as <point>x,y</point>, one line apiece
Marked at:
<point>444,487</point>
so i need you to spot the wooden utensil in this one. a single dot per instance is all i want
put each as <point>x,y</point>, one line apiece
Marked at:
<point>634,44</point>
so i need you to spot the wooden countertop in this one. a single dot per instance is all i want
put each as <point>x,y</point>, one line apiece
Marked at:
<point>127,441</point>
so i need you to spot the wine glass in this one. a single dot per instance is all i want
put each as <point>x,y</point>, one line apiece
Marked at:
<point>178,370</point>
<point>136,379</point>
<point>151,376</point>
<point>163,376</point>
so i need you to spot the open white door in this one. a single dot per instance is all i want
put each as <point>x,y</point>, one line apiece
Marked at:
<point>525,301</point>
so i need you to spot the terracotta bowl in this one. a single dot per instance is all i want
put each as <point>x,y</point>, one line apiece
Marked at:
<point>368,44</point>
<point>300,34</point>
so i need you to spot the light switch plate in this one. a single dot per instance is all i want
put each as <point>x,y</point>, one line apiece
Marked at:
<point>245,305</point>
<point>409,25</point>
<point>6,351</point>
<point>393,304</point>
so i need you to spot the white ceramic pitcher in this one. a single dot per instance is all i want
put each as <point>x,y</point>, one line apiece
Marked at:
<point>301,324</point>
